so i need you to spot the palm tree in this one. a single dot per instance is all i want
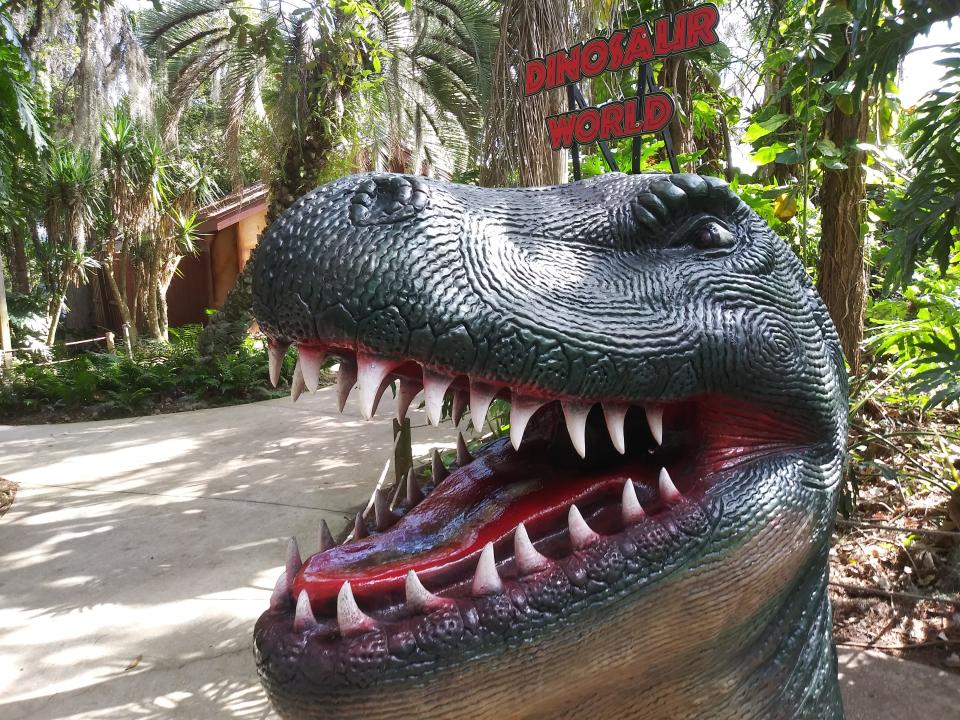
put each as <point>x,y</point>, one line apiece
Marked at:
<point>23,138</point>
<point>324,65</point>
<point>70,199</point>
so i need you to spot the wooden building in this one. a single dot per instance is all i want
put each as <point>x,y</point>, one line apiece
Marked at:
<point>228,229</point>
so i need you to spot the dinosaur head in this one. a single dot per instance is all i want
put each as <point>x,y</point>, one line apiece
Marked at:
<point>654,528</point>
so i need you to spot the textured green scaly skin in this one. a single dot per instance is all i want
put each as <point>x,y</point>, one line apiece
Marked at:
<point>598,290</point>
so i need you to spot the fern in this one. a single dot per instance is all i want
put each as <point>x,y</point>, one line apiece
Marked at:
<point>941,380</point>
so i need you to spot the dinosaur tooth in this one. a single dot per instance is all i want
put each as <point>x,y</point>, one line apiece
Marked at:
<point>371,373</point>
<point>463,455</point>
<point>460,399</point>
<point>486,579</point>
<point>296,385</point>
<point>576,416</point>
<point>631,509</point>
<point>303,618</point>
<point>435,386</point>
<point>381,510</point>
<point>281,593</point>
<point>615,414</point>
<point>276,350</point>
<point>481,395</point>
<point>359,527</point>
<point>419,599</point>
<point>326,537</point>
<point>310,361</point>
<point>581,534</point>
<point>528,558</point>
<point>346,379</point>
<point>668,491</point>
<point>350,618</point>
<point>438,469</point>
<point>407,391</point>
<point>655,421</point>
<point>521,410</point>
<point>413,490</point>
<point>294,562</point>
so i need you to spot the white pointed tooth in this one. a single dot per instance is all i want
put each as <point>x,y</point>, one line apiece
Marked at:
<point>615,414</point>
<point>576,417</point>
<point>293,558</point>
<point>326,537</point>
<point>407,391</point>
<point>521,410</point>
<point>310,361</point>
<point>632,510</point>
<point>350,618</point>
<point>303,618</point>
<point>528,558</point>
<point>463,455</point>
<point>281,593</point>
<point>275,353</point>
<point>346,379</point>
<point>581,534</point>
<point>419,599</point>
<point>296,385</point>
<point>435,386</point>
<point>371,374</point>
<point>655,421</point>
<point>486,580</point>
<point>481,395</point>
<point>460,399</point>
<point>668,491</point>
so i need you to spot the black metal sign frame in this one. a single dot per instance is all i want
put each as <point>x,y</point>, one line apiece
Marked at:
<point>645,84</point>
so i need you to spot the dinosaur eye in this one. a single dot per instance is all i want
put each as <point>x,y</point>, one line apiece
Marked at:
<point>712,235</point>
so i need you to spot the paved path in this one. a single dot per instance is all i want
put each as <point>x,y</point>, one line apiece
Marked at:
<point>139,553</point>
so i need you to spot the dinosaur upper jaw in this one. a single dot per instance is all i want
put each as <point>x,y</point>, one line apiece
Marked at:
<point>576,476</point>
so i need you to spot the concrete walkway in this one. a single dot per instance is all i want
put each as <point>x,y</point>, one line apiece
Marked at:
<point>140,552</point>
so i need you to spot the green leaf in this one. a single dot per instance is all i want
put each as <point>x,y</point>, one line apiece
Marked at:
<point>768,154</point>
<point>835,15</point>
<point>761,129</point>
<point>828,148</point>
<point>845,103</point>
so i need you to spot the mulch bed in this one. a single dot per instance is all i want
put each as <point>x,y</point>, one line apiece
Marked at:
<point>895,563</point>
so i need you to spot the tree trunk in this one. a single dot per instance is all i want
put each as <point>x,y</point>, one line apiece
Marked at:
<point>841,269</point>
<point>7,360</point>
<point>150,312</point>
<point>19,267</point>
<point>119,300</point>
<point>54,306</point>
<point>675,76</point>
<point>166,277</point>
<point>516,146</point>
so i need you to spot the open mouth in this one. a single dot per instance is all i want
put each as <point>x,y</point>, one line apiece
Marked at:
<point>574,475</point>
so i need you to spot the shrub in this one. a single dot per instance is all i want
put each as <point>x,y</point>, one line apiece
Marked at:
<point>161,377</point>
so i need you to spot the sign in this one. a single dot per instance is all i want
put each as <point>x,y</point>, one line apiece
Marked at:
<point>644,43</point>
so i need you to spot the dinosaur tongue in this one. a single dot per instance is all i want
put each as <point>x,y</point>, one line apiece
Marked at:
<point>483,502</point>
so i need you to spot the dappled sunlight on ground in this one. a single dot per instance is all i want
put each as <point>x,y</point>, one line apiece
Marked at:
<point>139,552</point>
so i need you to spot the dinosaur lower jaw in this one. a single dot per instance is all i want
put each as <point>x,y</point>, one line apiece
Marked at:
<point>510,519</point>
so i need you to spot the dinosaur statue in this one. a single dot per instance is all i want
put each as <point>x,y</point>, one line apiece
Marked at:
<point>651,539</point>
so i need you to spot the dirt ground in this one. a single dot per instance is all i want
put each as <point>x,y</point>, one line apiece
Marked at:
<point>895,563</point>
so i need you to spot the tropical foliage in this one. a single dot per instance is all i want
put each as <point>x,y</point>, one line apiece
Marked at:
<point>159,378</point>
<point>864,189</point>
